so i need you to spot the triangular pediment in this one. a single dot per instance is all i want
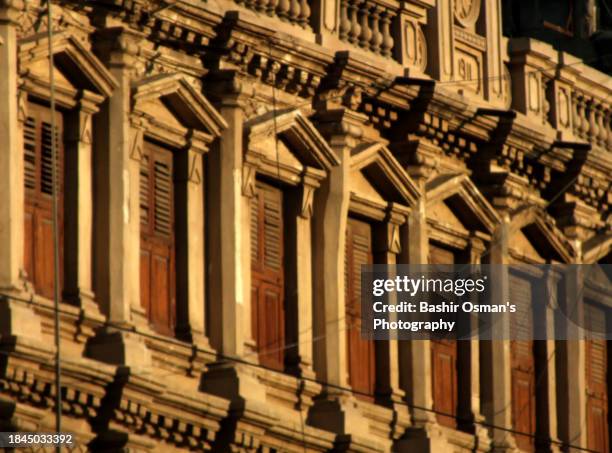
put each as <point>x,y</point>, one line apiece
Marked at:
<point>383,173</point>
<point>188,106</point>
<point>76,64</point>
<point>360,185</point>
<point>443,215</point>
<point>465,201</point>
<point>540,230</point>
<point>278,152</point>
<point>296,132</point>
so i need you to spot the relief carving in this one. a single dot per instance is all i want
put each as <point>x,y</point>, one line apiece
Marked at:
<point>563,105</point>
<point>416,46</point>
<point>468,68</point>
<point>467,12</point>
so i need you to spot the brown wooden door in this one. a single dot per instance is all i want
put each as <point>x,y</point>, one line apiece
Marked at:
<point>360,352</point>
<point>523,364</point>
<point>596,381</point>
<point>267,275</point>
<point>444,358</point>
<point>38,177</point>
<point>157,251</point>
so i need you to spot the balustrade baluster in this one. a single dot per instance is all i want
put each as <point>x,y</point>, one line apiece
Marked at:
<point>283,9</point>
<point>355,28</point>
<point>345,24</point>
<point>294,10</point>
<point>366,33</point>
<point>585,118</point>
<point>601,137</point>
<point>387,39</point>
<point>575,114</point>
<point>304,16</point>
<point>271,7</point>
<point>376,40</point>
<point>593,130</point>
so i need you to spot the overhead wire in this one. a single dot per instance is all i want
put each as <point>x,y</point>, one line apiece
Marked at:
<point>55,178</point>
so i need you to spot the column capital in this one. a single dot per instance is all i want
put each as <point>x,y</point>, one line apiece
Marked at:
<point>228,88</point>
<point>118,46</point>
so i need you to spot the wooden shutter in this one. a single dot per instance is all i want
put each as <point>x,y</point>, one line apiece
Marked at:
<point>157,248</point>
<point>360,352</point>
<point>444,358</point>
<point>267,274</point>
<point>38,181</point>
<point>523,364</point>
<point>596,380</point>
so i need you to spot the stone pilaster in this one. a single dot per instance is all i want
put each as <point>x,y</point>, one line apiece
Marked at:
<point>16,319</point>
<point>415,356</point>
<point>495,354</point>
<point>572,365</point>
<point>117,241</point>
<point>11,157</point>
<point>546,387</point>
<point>331,211</point>
<point>190,252</point>
<point>469,411</point>
<point>300,293</point>
<point>229,251</point>
<point>78,226</point>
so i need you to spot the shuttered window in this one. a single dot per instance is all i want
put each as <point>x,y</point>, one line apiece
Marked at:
<point>444,358</point>
<point>523,363</point>
<point>596,380</point>
<point>360,352</point>
<point>267,274</point>
<point>38,180</point>
<point>157,249</point>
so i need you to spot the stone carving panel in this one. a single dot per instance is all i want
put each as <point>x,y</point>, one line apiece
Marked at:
<point>467,12</point>
<point>416,46</point>
<point>469,68</point>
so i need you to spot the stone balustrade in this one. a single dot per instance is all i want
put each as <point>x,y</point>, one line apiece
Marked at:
<point>592,119</point>
<point>294,11</point>
<point>368,25</point>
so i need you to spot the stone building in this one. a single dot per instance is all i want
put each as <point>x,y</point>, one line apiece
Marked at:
<point>225,169</point>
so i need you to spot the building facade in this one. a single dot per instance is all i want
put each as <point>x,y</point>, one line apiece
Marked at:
<point>226,167</point>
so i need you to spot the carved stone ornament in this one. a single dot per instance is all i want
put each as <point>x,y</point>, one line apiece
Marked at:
<point>416,46</point>
<point>394,242</point>
<point>306,202</point>
<point>136,145</point>
<point>194,172</point>
<point>248,180</point>
<point>467,12</point>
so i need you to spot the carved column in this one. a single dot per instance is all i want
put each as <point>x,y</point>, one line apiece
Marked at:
<point>229,252</point>
<point>15,318</point>
<point>11,157</point>
<point>78,253</point>
<point>415,356</point>
<point>299,283</point>
<point>495,354</point>
<point>469,359</point>
<point>190,257</point>
<point>388,245</point>
<point>546,386</point>
<point>572,364</point>
<point>117,209</point>
<point>331,211</point>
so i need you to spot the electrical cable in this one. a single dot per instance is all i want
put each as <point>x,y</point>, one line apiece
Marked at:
<point>55,213</point>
